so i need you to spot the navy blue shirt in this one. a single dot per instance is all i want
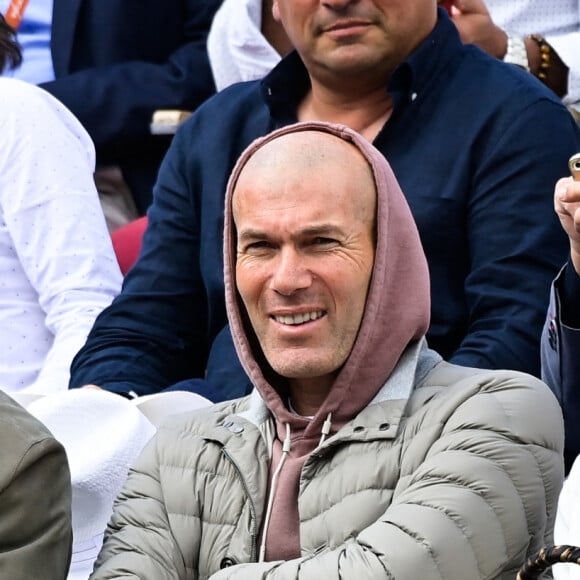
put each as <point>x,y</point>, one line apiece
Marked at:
<point>477,146</point>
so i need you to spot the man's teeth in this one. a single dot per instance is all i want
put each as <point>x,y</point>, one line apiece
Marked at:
<point>299,318</point>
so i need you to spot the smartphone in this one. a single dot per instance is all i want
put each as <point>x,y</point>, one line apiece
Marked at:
<point>574,165</point>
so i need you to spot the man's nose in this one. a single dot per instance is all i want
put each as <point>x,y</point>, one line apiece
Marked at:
<point>290,273</point>
<point>338,5</point>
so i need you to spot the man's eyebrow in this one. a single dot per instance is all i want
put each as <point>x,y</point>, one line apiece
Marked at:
<point>321,230</point>
<point>315,230</point>
<point>251,234</point>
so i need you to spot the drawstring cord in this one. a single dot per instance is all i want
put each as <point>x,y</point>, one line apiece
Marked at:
<point>325,428</point>
<point>285,452</point>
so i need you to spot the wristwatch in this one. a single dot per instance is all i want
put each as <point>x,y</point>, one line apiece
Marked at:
<point>516,52</point>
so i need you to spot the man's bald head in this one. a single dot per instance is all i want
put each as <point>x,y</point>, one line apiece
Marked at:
<point>307,156</point>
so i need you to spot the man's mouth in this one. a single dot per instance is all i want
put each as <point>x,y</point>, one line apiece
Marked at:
<point>295,319</point>
<point>341,25</point>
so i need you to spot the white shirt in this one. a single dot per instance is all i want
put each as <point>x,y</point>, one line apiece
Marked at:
<point>236,47</point>
<point>238,51</point>
<point>33,36</point>
<point>58,269</point>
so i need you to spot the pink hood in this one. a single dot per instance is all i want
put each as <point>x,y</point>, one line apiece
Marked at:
<point>397,313</point>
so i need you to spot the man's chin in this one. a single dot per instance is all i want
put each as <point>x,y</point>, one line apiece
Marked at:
<point>349,62</point>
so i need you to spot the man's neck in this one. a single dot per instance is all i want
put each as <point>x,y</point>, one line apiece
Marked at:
<point>308,395</point>
<point>365,112</point>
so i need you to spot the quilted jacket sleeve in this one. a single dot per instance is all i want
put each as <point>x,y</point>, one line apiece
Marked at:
<point>480,500</point>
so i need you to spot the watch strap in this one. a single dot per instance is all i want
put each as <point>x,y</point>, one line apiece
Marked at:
<point>516,52</point>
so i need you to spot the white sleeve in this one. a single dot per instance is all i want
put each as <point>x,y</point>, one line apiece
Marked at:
<point>567,46</point>
<point>53,215</point>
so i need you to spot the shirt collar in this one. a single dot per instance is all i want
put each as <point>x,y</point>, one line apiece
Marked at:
<point>427,62</point>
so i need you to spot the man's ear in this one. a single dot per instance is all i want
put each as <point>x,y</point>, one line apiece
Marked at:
<point>275,11</point>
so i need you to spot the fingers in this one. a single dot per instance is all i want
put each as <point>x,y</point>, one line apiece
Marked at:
<point>471,6</point>
<point>567,191</point>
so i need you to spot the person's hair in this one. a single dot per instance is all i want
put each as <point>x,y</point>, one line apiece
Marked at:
<point>10,53</point>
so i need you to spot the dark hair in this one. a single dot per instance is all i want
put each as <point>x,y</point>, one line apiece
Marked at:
<point>10,53</point>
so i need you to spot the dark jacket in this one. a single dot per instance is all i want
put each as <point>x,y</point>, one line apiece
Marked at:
<point>561,354</point>
<point>476,146</point>
<point>35,498</point>
<point>117,61</point>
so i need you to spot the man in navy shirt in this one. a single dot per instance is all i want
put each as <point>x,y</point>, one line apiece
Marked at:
<point>476,145</point>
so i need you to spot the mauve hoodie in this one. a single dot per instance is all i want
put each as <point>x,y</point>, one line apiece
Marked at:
<point>397,313</point>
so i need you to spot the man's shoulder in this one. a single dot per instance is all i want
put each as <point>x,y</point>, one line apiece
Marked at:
<point>22,436</point>
<point>19,96</point>
<point>446,376</point>
<point>496,400</point>
<point>234,104</point>
<point>496,80</point>
<point>202,423</point>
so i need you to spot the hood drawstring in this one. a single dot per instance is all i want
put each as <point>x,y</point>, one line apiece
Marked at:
<point>325,429</point>
<point>285,451</point>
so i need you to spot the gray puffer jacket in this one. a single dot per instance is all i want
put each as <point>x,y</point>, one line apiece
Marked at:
<point>414,488</point>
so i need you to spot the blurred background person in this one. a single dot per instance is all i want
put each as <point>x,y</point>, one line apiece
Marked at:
<point>561,332</point>
<point>560,361</point>
<point>35,496</point>
<point>113,64</point>
<point>57,265</point>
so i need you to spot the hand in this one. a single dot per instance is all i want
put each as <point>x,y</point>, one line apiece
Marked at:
<point>475,26</point>
<point>567,207</point>
<point>92,387</point>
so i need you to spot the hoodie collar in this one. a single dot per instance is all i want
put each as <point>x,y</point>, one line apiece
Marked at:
<point>414,365</point>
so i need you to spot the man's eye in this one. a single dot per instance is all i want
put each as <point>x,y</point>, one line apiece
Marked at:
<point>256,246</point>
<point>323,241</point>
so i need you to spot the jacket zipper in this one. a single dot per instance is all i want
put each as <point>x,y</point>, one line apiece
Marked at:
<point>253,531</point>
